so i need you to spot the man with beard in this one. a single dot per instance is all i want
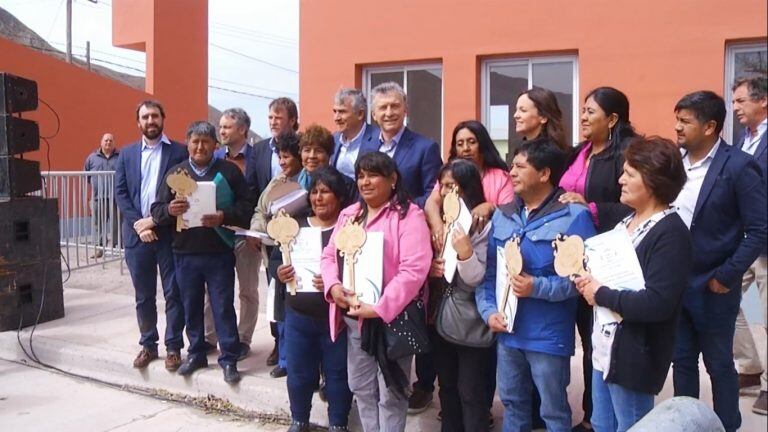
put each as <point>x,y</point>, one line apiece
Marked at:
<point>141,168</point>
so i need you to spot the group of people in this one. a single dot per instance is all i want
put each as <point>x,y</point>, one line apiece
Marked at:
<point>694,209</point>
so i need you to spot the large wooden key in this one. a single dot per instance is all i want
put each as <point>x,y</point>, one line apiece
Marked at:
<point>514,263</point>
<point>349,241</point>
<point>283,229</point>
<point>570,260</point>
<point>182,186</point>
<point>451,210</point>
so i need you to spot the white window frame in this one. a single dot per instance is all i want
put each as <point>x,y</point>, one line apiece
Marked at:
<point>485,93</point>
<point>404,69</point>
<point>731,49</point>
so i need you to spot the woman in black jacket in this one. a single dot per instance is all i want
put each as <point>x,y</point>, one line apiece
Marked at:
<point>592,179</point>
<point>632,352</point>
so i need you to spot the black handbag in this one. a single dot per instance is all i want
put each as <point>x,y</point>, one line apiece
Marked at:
<point>459,322</point>
<point>407,333</point>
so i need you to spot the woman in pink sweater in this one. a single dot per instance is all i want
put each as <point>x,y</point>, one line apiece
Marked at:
<point>379,384</point>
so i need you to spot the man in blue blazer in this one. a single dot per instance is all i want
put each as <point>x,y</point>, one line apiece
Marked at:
<point>724,204</point>
<point>417,157</point>
<point>262,165</point>
<point>353,134</point>
<point>750,106</point>
<point>141,168</point>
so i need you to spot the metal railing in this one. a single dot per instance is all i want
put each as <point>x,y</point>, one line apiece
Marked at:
<point>89,222</point>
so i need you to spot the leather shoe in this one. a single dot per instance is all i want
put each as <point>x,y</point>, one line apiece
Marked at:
<point>273,356</point>
<point>172,360</point>
<point>749,380</point>
<point>231,375</point>
<point>278,372</point>
<point>144,357</point>
<point>192,364</point>
<point>298,427</point>
<point>244,350</point>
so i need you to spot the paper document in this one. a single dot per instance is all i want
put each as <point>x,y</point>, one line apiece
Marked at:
<point>502,288</point>
<point>271,300</point>
<point>612,261</point>
<point>202,202</point>
<point>264,237</point>
<point>305,257</point>
<point>369,269</point>
<point>449,254</point>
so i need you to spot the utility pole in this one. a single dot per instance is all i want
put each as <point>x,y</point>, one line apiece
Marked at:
<point>69,31</point>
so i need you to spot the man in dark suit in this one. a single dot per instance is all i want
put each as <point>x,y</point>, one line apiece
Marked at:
<point>262,165</point>
<point>724,204</point>
<point>353,134</point>
<point>417,157</point>
<point>750,106</point>
<point>141,168</point>
<point>234,125</point>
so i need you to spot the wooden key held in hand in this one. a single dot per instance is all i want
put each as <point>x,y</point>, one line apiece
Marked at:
<point>514,263</point>
<point>182,186</point>
<point>451,210</point>
<point>283,229</point>
<point>349,241</point>
<point>570,260</point>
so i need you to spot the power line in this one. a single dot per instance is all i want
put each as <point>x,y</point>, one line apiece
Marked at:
<point>252,86</point>
<point>253,58</point>
<point>253,32</point>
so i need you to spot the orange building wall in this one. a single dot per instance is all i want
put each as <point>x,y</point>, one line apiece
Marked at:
<point>654,51</point>
<point>88,105</point>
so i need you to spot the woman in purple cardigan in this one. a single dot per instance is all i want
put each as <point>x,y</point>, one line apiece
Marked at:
<point>379,384</point>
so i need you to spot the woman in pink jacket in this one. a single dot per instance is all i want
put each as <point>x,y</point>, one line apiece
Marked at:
<point>379,384</point>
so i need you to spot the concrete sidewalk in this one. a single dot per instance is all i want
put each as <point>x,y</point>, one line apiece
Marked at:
<point>99,338</point>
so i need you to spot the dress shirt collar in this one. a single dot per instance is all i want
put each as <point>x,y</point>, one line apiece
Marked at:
<point>145,144</point>
<point>705,160</point>
<point>357,137</point>
<point>201,172</point>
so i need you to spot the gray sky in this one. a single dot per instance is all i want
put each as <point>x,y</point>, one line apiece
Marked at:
<point>254,46</point>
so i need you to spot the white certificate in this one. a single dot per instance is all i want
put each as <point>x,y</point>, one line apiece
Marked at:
<point>264,237</point>
<point>305,258</point>
<point>612,261</point>
<point>449,254</point>
<point>502,282</point>
<point>271,300</point>
<point>369,269</point>
<point>201,202</point>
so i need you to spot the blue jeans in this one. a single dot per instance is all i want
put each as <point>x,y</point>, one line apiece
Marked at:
<point>518,372</point>
<point>282,360</point>
<point>709,330</point>
<point>143,261</point>
<point>216,271</point>
<point>308,348</point>
<point>616,408</point>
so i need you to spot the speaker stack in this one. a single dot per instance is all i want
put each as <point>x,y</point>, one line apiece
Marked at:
<point>30,264</point>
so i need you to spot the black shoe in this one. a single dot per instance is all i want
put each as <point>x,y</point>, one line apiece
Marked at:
<point>274,356</point>
<point>298,427</point>
<point>419,401</point>
<point>244,350</point>
<point>278,372</point>
<point>338,429</point>
<point>231,375</point>
<point>192,364</point>
<point>581,427</point>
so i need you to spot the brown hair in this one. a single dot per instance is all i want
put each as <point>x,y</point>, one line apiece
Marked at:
<point>659,162</point>
<point>287,104</point>
<point>315,134</point>
<point>546,104</point>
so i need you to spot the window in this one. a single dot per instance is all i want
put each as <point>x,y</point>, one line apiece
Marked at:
<point>504,80</point>
<point>741,61</point>
<point>423,84</point>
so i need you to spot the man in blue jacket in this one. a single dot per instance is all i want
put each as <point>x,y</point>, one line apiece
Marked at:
<point>141,168</point>
<point>723,203</point>
<point>538,350</point>
<point>349,109</point>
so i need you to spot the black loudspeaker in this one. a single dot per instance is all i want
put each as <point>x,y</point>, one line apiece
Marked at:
<point>18,177</point>
<point>30,264</point>
<point>18,135</point>
<point>17,94</point>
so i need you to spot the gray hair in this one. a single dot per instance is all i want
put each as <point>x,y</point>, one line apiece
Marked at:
<point>355,96</point>
<point>757,87</point>
<point>387,88</point>
<point>202,128</point>
<point>240,117</point>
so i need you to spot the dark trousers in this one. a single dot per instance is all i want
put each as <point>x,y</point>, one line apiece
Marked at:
<point>105,220</point>
<point>584,320</point>
<point>709,330</point>
<point>425,366</point>
<point>309,348</point>
<point>462,373</point>
<point>143,261</point>
<point>216,271</point>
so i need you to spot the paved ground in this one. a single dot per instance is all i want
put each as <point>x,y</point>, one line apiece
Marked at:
<point>98,339</point>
